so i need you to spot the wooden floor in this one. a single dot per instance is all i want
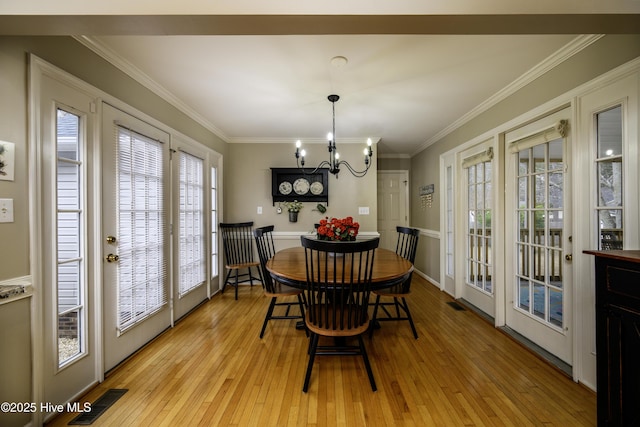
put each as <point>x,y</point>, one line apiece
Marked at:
<point>213,370</point>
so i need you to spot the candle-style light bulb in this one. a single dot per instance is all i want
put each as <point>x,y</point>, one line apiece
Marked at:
<point>366,152</point>
<point>337,156</point>
<point>369,142</point>
<point>329,136</point>
<point>303,153</point>
<point>298,144</point>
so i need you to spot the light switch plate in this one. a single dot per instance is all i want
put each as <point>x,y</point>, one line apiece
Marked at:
<point>6,210</point>
<point>363,210</point>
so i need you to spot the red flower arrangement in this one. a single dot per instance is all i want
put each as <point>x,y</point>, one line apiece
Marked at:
<point>345,229</point>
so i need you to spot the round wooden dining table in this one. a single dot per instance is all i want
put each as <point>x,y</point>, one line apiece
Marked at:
<point>289,266</point>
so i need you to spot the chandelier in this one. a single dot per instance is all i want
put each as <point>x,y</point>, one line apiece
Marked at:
<point>334,161</point>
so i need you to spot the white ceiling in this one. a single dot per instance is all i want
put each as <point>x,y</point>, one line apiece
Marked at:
<point>254,71</point>
<point>401,89</point>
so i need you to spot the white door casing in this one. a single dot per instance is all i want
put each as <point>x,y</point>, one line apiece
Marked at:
<point>66,143</point>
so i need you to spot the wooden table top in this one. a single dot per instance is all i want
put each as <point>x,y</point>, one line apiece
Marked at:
<point>288,266</point>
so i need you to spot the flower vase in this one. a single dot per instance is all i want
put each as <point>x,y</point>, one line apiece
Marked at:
<point>293,216</point>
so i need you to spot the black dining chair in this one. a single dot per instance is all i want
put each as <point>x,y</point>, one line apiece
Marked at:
<point>273,288</point>
<point>337,296</point>
<point>237,240</point>
<point>406,247</point>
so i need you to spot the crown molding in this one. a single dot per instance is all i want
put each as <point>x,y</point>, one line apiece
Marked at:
<point>242,140</point>
<point>575,46</point>
<point>394,156</point>
<point>138,75</point>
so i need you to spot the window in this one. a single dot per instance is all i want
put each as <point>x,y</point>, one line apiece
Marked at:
<point>192,235</point>
<point>214,223</point>
<point>479,239</point>
<point>71,264</point>
<point>141,224</point>
<point>540,213</point>
<point>609,206</point>
<point>450,267</point>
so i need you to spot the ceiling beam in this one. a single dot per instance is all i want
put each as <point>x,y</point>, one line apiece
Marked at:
<point>318,24</point>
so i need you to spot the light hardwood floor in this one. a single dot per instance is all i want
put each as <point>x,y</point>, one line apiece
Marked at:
<point>213,370</point>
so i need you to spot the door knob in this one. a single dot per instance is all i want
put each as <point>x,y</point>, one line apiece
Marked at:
<point>568,257</point>
<point>111,239</point>
<point>112,258</point>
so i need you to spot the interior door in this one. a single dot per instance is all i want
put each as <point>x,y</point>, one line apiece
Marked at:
<point>69,285</point>
<point>392,205</point>
<point>538,234</point>
<point>136,275</point>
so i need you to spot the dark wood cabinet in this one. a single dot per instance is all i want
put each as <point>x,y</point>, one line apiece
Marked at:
<point>618,336</point>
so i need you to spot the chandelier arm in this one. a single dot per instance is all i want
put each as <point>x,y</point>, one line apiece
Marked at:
<point>307,172</point>
<point>333,163</point>
<point>357,174</point>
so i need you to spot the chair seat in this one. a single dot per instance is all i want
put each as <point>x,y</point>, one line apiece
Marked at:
<point>280,290</point>
<point>326,315</point>
<point>242,265</point>
<point>392,292</point>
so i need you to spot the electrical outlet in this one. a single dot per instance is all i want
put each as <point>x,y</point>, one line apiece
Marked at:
<point>363,210</point>
<point>259,210</point>
<point>6,210</point>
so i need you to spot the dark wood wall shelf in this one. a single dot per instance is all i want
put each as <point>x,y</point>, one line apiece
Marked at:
<point>289,184</point>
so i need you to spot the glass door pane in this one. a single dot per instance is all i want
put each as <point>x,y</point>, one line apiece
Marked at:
<point>70,251</point>
<point>192,262</point>
<point>539,275</point>
<point>609,172</point>
<point>141,267</point>
<point>479,239</point>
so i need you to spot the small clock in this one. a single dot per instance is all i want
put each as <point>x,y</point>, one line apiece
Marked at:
<point>285,187</point>
<point>301,186</point>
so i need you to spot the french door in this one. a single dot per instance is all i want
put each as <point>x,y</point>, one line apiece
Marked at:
<point>136,274</point>
<point>475,278</point>
<point>608,194</point>
<point>538,234</point>
<point>70,350</point>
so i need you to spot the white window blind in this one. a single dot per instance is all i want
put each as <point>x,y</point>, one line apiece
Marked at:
<point>142,276</point>
<point>484,156</point>
<point>557,131</point>
<point>192,231</point>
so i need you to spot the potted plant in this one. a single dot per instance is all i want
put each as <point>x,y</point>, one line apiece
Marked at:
<point>293,208</point>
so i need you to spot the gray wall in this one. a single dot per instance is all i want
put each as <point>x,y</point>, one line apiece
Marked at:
<point>248,185</point>
<point>394,164</point>
<point>71,56</point>
<point>605,54</point>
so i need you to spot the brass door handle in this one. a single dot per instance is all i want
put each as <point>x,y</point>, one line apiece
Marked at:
<point>568,257</point>
<point>111,239</point>
<point>112,258</point>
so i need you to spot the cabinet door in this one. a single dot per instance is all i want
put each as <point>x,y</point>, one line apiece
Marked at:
<point>623,327</point>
